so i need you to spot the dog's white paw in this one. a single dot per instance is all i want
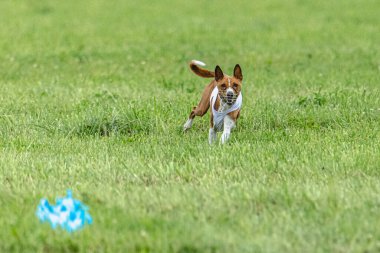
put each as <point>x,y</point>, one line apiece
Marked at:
<point>211,136</point>
<point>188,124</point>
<point>225,136</point>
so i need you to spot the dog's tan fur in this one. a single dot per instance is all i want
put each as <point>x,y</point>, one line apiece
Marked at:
<point>223,82</point>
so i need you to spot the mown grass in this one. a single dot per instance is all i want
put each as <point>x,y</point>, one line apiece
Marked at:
<point>94,95</point>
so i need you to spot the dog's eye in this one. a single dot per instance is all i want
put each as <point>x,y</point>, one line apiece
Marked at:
<point>223,86</point>
<point>235,86</point>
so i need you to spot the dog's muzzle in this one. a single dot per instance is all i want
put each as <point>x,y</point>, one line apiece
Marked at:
<point>230,97</point>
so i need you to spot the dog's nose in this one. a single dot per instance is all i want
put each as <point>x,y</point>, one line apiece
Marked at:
<point>230,94</point>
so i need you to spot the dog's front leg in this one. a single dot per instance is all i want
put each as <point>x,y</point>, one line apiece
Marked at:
<point>188,124</point>
<point>229,124</point>
<point>211,135</point>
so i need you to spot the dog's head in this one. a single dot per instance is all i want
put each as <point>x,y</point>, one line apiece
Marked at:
<point>229,87</point>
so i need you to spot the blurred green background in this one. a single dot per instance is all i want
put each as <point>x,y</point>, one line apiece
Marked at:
<point>94,95</point>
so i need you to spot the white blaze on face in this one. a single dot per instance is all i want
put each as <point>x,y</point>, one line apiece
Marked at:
<point>229,87</point>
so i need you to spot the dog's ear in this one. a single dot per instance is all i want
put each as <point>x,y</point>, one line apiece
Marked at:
<point>237,72</point>
<point>218,73</point>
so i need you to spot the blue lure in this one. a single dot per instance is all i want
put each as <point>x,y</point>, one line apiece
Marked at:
<point>68,213</point>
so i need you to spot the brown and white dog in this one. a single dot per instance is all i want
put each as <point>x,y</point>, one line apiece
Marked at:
<point>224,96</point>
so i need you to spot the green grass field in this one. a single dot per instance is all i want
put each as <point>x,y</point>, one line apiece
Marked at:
<point>94,95</point>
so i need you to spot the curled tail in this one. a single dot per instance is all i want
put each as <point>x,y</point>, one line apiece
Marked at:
<point>194,65</point>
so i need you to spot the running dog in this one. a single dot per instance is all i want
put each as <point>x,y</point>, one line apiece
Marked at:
<point>224,96</point>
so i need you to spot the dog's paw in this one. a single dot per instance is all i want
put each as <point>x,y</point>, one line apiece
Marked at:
<point>187,125</point>
<point>224,138</point>
<point>211,136</point>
